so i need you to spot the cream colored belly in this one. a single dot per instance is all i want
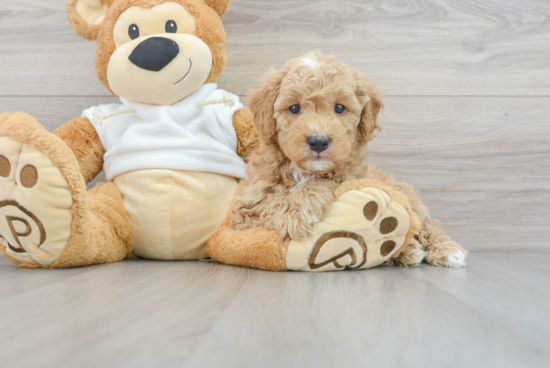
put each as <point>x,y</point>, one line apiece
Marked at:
<point>173,213</point>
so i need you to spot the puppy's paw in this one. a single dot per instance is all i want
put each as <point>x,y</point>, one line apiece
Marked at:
<point>294,224</point>
<point>456,260</point>
<point>448,254</point>
<point>237,221</point>
<point>411,255</point>
<point>244,216</point>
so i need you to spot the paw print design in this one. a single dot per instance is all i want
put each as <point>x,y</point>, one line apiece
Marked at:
<point>34,202</point>
<point>364,228</point>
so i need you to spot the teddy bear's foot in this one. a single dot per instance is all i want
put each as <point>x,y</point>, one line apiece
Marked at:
<point>367,225</point>
<point>45,218</point>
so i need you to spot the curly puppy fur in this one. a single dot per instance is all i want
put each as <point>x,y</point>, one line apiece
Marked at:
<point>290,186</point>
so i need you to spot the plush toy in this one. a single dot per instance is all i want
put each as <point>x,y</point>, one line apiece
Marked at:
<point>173,149</point>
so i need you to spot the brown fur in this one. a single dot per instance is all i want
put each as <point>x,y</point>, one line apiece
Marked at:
<point>106,236</point>
<point>247,139</point>
<point>274,196</point>
<point>220,6</point>
<point>81,137</point>
<point>80,27</point>
<point>256,247</point>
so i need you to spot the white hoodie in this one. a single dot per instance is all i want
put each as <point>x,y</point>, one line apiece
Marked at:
<point>182,136</point>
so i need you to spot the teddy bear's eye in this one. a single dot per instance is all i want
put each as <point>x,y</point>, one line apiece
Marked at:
<point>295,109</point>
<point>133,31</point>
<point>171,27</point>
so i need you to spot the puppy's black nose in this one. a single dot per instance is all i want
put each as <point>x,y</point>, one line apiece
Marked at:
<point>318,143</point>
<point>154,53</point>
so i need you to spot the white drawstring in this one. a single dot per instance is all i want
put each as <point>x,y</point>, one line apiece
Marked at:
<point>100,118</point>
<point>227,100</point>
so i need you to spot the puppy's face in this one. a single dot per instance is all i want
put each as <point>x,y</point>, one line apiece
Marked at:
<point>322,112</point>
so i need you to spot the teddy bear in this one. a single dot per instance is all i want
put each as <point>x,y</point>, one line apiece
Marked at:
<point>173,150</point>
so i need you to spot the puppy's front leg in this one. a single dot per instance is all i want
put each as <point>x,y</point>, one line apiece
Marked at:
<point>294,214</point>
<point>254,199</point>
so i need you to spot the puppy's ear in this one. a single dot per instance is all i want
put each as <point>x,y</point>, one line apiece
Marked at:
<point>261,102</point>
<point>86,16</point>
<point>220,6</point>
<point>370,96</point>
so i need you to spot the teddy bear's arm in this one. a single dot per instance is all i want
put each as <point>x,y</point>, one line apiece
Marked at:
<point>247,139</point>
<point>81,137</point>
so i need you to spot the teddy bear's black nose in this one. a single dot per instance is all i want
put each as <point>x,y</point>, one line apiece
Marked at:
<point>318,143</point>
<point>154,53</point>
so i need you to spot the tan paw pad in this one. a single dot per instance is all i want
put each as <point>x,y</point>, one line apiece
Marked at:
<point>362,229</point>
<point>35,205</point>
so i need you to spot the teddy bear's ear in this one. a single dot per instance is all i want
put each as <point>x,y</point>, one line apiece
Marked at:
<point>86,16</point>
<point>220,6</point>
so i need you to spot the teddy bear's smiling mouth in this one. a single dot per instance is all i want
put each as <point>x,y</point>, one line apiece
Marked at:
<point>186,74</point>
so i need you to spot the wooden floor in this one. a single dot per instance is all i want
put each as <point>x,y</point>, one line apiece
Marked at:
<point>494,313</point>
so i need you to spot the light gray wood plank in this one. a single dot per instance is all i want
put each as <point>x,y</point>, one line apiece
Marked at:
<point>482,164</point>
<point>133,313</point>
<point>512,287</point>
<point>146,313</point>
<point>381,317</point>
<point>420,47</point>
<point>14,280</point>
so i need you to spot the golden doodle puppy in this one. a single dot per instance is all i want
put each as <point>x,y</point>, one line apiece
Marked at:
<point>314,119</point>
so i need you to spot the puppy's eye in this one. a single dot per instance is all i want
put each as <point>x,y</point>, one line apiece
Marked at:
<point>171,27</point>
<point>339,109</point>
<point>133,31</point>
<point>295,109</point>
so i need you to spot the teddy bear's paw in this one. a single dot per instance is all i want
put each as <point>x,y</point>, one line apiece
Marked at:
<point>364,228</point>
<point>35,205</point>
<point>35,215</point>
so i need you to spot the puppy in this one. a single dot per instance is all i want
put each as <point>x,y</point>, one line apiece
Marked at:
<point>314,119</point>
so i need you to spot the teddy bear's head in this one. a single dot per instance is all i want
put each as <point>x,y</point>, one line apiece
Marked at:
<point>153,51</point>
